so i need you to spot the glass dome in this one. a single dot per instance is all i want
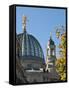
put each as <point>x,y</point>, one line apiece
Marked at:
<point>29,47</point>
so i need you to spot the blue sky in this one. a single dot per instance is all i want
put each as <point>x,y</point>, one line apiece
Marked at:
<point>41,21</point>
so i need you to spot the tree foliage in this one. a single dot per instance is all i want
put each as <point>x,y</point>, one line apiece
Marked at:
<point>61,61</point>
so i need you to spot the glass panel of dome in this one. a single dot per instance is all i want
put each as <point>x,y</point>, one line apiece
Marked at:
<point>27,45</point>
<point>32,46</point>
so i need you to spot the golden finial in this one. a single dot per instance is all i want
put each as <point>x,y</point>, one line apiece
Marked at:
<point>24,19</point>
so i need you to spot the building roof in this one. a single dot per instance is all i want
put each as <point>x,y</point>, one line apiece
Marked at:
<point>29,47</point>
<point>51,42</point>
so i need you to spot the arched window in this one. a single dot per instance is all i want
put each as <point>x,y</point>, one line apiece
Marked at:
<point>52,52</point>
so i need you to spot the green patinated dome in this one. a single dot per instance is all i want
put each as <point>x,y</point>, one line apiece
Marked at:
<point>51,42</point>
